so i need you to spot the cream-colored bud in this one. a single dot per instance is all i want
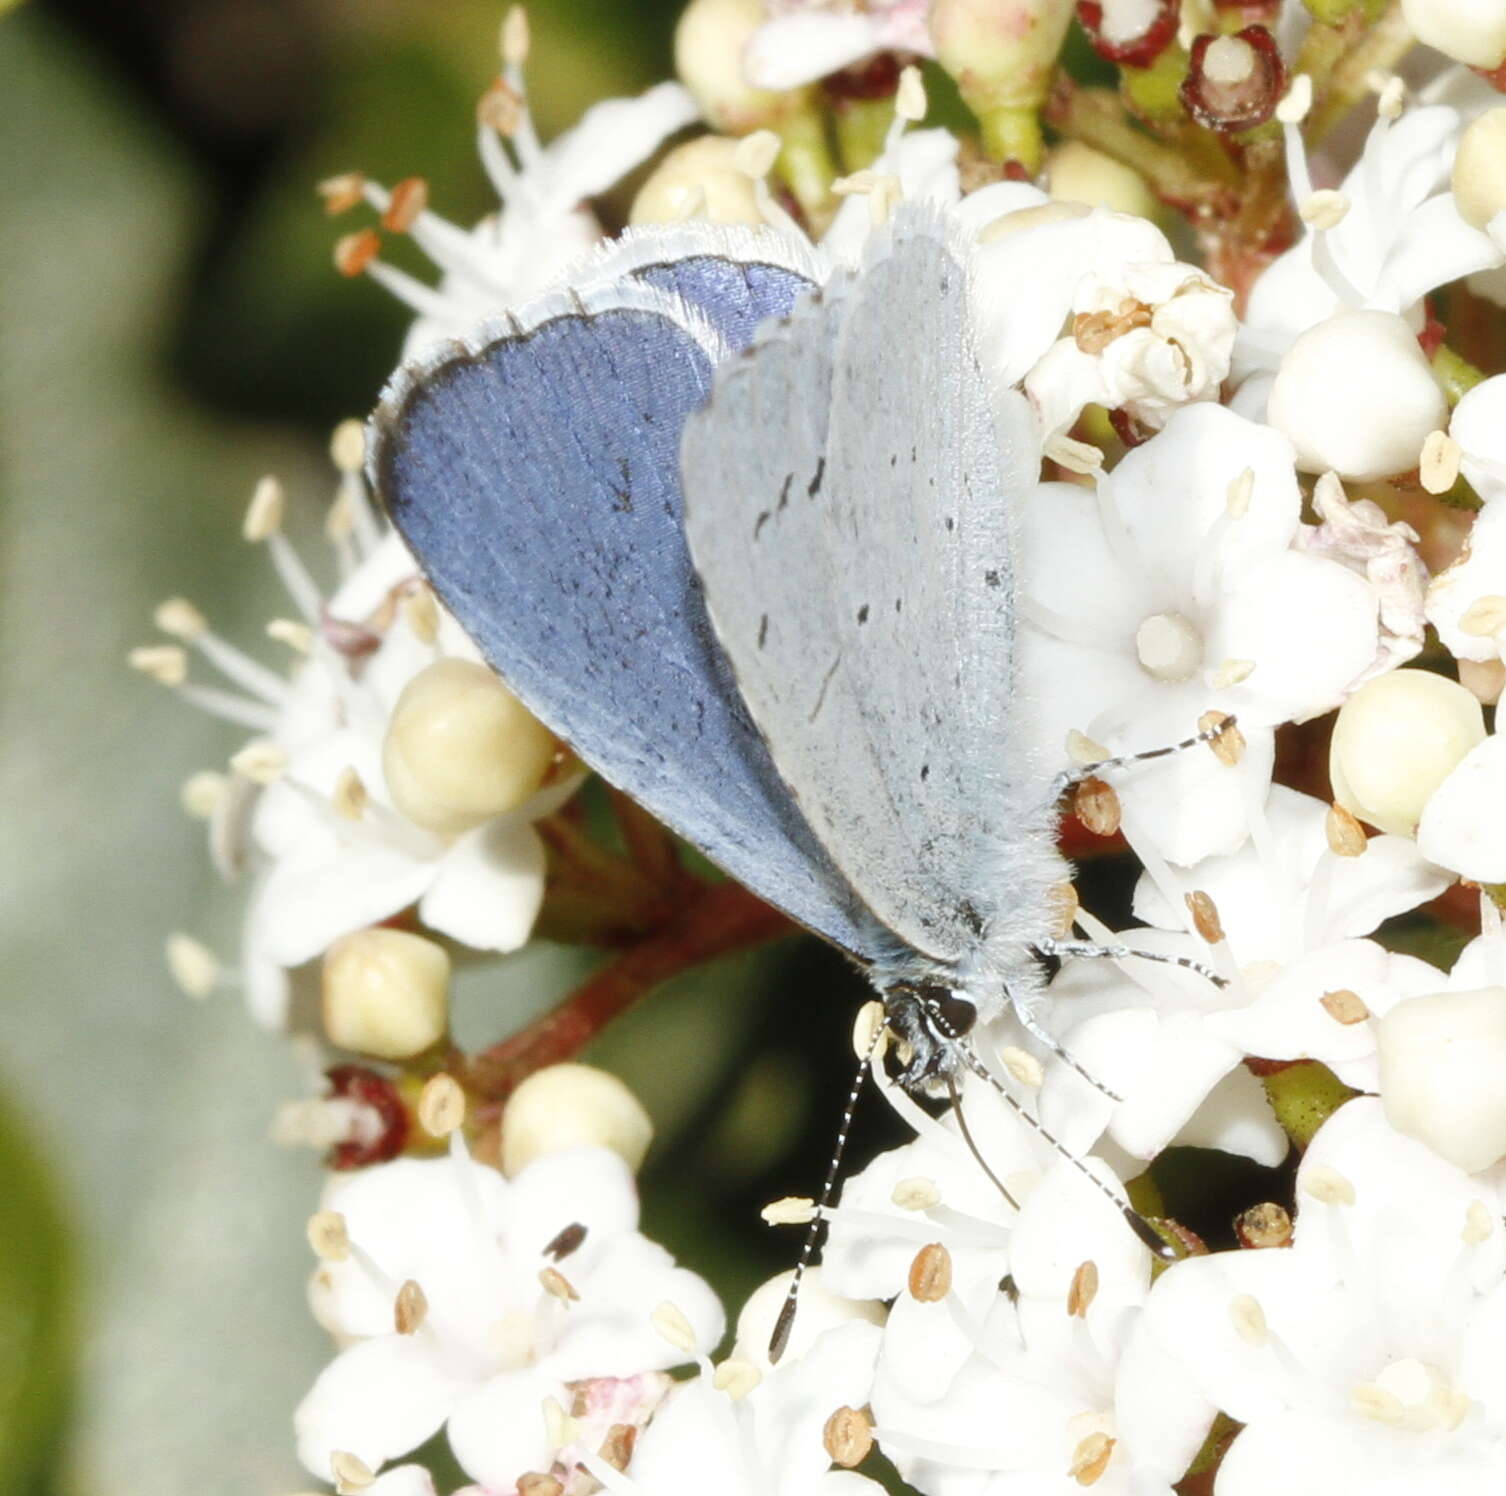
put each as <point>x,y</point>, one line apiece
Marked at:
<point>1470,31</point>
<point>1441,1062</point>
<point>1355,394</point>
<point>1395,741</point>
<point>461,748</point>
<point>1002,55</point>
<point>572,1106</point>
<point>1076,173</point>
<point>699,179</point>
<point>386,993</point>
<point>709,43</point>
<point>1479,178</point>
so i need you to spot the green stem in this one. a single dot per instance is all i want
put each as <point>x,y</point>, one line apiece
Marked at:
<point>1379,48</point>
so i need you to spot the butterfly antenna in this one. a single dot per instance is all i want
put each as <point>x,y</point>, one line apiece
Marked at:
<point>1132,1217</point>
<point>780,1339</point>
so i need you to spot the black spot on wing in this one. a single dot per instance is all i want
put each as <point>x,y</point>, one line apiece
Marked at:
<point>815,483</point>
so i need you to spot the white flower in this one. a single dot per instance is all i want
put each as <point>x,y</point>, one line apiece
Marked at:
<point>807,39</point>
<point>1371,1355</point>
<point>1463,825</point>
<point>536,1288</point>
<point>1177,589</point>
<point>1401,237</point>
<point>1479,426</point>
<point>752,1429</point>
<point>1357,534</point>
<point>1169,1042</point>
<point>542,226</point>
<point>1147,338</point>
<point>1041,1396</point>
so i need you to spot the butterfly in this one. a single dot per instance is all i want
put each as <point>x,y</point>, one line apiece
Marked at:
<point>742,532</point>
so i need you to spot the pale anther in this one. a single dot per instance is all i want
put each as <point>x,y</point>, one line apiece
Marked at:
<point>1023,1066</point>
<point>1344,1006</point>
<point>1328,1186</point>
<point>1392,93</point>
<point>1479,1224</point>
<point>1081,458</point>
<point>1091,1458</point>
<point>166,664</point>
<point>347,446</point>
<point>515,38</point>
<point>1081,749</point>
<point>559,1427</point>
<point>1241,491</point>
<point>178,617</point>
<point>409,1308</point>
<point>1438,465</point>
<point>916,1194</point>
<point>341,193</point>
<point>1231,673</point>
<point>848,1437</point>
<point>349,796</point>
<point>557,1285</point>
<point>260,761</point>
<point>264,512</point>
<point>736,1377</point>
<point>1096,804</point>
<point>1082,1290</point>
<point>756,154</point>
<point>1485,617</point>
<point>351,1473</point>
<point>1248,1319</point>
<point>671,1323</point>
<point>441,1106</point>
<point>328,1237</point>
<point>1204,914</point>
<point>910,98</point>
<point>1324,209</point>
<point>293,632</point>
<point>193,966</point>
<point>1346,837</point>
<point>202,793</point>
<point>793,1210</point>
<point>1371,1401</point>
<point>422,612</point>
<point>1228,742</point>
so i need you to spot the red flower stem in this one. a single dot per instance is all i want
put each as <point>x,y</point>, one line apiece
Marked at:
<point>716,920</point>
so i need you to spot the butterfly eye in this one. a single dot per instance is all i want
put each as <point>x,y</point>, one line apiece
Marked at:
<point>956,1014</point>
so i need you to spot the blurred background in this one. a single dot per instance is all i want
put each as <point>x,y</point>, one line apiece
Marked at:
<point>171,328</point>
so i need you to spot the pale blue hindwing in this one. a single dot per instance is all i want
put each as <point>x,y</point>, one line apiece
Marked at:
<point>535,477</point>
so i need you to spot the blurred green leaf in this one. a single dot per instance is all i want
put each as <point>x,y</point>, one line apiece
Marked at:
<point>36,1340</point>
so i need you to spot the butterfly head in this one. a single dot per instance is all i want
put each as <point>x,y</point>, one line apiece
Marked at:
<point>929,1017</point>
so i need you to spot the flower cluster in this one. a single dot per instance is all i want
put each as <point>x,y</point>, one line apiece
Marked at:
<point>1273,490</point>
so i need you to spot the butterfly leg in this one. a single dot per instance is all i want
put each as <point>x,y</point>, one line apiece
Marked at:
<point>1089,950</point>
<point>1211,734</point>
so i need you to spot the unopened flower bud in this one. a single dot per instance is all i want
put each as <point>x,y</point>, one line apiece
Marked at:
<point>1479,177</point>
<point>1470,31</point>
<point>461,748</point>
<point>1132,33</point>
<point>699,179</point>
<point>709,43</point>
<point>1234,83</point>
<point>572,1106</point>
<point>1355,394</point>
<point>1076,173</point>
<point>1002,54</point>
<point>1441,1062</point>
<point>1395,741</point>
<point>386,993</point>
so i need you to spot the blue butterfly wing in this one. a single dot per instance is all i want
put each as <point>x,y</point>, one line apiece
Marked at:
<point>536,478</point>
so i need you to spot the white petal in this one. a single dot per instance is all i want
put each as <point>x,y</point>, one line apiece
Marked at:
<point>326,889</point>
<point>591,1187</point>
<point>610,1332</point>
<point>488,888</point>
<point>377,1400</point>
<point>1480,572</point>
<point>609,140</point>
<point>800,47</point>
<point>403,1480</point>
<point>1435,247</point>
<point>498,1432</point>
<point>1479,426</point>
<point>1236,1118</point>
<point>925,161</point>
<point>1172,495</point>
